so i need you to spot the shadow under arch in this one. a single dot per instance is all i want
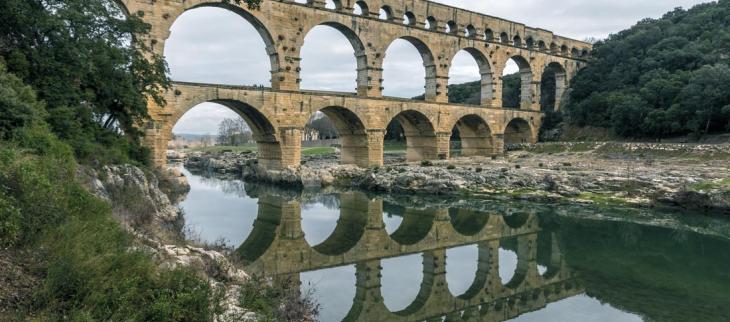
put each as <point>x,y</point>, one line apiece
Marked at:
<point>429,64</point>
<point>468,222</point>
<point>415,226</point>
<point>475,135</point>
<point>358,47</point>
<point>551,98</point>
<point>250,18</point>
<point>420,134</point>
<point>350,225</point>
<point>486,93</point>
<point>264,132</point>
<point>518,131</point>
<point>525,71</point>
<point>353,136</point>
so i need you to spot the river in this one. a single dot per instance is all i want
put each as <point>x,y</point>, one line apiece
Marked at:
<point>371,257</point>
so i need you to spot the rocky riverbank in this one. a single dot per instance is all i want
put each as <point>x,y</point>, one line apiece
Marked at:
<point>146,207</point>
<point>684,175</point>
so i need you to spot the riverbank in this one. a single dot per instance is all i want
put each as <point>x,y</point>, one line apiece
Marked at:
<point>690,176</point>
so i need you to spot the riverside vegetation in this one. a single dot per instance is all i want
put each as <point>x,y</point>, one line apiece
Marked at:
<point>73,90</point>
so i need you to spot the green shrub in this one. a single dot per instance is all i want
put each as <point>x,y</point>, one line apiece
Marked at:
<point>451,167</point>
<point>426,163</point>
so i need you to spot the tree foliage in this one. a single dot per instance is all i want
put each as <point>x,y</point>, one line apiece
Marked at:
<point>662,77</point>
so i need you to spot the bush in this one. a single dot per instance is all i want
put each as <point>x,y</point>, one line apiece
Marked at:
<point>451,167</point>
<point>426,163</point>
<point>479,169</point>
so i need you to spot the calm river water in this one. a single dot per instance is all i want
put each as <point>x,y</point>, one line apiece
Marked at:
<point>396,258</point>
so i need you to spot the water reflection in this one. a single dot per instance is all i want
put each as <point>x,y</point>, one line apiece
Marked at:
<point>371,259</point>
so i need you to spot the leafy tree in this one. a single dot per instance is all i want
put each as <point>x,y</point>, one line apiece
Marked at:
<point>662,77</point>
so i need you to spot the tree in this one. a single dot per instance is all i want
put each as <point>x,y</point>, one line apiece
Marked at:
<point>662,77</point>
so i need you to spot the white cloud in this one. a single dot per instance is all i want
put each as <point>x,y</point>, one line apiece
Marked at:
<point>213,45</point>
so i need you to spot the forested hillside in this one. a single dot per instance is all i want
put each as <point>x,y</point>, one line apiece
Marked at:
<point>662,77</point>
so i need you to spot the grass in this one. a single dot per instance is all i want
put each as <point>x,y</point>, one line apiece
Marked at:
<point>318,151</point>
<point>722,184</point>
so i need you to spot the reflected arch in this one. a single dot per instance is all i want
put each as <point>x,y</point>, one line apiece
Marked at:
<point>350,225</point>
<point>361,61</point>
<point>263,32</point>
<point>519,131</point>
<point>473,136</point>
<point>420,135</point>
<point>415,226</point>
<point>468,222</point>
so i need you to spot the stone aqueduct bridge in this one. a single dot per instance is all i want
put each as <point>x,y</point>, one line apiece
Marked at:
<point>276,247</point>
<point>278,114</point>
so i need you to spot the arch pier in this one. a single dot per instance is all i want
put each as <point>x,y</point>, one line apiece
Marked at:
<point>438,31</point>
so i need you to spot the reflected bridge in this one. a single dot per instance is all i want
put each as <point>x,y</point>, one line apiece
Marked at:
<point>276,247</point>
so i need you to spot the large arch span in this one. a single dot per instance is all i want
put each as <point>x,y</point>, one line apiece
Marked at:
<point>437,31</point>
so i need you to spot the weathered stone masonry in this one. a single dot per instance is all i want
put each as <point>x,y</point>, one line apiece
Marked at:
<point>278,114</point>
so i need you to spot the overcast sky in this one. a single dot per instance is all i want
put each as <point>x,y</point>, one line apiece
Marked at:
<point>213,45</point>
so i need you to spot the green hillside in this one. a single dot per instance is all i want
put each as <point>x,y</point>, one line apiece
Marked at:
<point>662,77</point>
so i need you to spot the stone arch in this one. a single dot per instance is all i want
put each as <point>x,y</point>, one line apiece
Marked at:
<point>470,31</point>
<point>530,42</point>
<point>451,27</point>
<point>483,271</point>
<point>352,133</point>
<point>523,249</point>
<point>485,70</point>
<point>364,9</point>
<point>431,23</point>
<point>554,48</point>
<point>476,136</point>
<point>361,58</point>
<point>549,254</point>
<point>350,226</point>
<point>541,46</point>
<point>386,13</point>
<point>428,286</point>
<point>409,18</point>
<point>504,37</point>
<point>519,131</point>
<point>584,53</point>
<point>264,132</point>
<point>552,100</point>
<point>574,52</point>
<point>429,64</point>
<point>264,232</point>
<point>488,34</point>
<point>333,5</point>
<point>526,82</point>
<point>415,227</point>
<point>517,41</point>
<point>265,34</point>
<point>468,222</point>
<point>564,50</point>
<point>420,134</point>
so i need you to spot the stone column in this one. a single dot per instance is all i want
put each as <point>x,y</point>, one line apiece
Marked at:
<point>286,77</point>
<point>560,86</point>
<point>443,145</point>
<point>355,149</point>
<point>372,85</point>
<point>291,147</point>
<point>437,89</point>
<point>498,144</point>
<point>375,148</point>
